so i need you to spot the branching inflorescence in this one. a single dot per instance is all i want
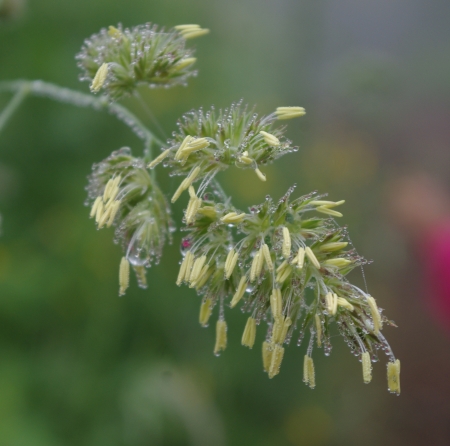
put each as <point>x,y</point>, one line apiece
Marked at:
<point>284,262</point>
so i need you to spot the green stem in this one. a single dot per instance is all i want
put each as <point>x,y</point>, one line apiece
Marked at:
<point>68,96</point>
<point>13,105</point>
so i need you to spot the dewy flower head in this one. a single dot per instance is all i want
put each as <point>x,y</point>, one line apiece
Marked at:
<point>215,140</point>
<point>124,194</point>
<point>289,269</point>
<point>122,59</point>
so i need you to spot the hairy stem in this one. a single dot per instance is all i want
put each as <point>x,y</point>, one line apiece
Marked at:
<point>68,96</point>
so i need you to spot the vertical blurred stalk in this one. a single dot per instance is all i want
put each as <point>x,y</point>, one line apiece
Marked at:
<point>13,105</point>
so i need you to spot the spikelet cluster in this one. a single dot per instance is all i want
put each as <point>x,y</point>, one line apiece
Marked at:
<point>123,194</point>
<point>286,262</point>
<point>117,60</point>
<point>211,141</point>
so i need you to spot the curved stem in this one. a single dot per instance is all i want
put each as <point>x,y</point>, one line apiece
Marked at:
<point>68,96</point>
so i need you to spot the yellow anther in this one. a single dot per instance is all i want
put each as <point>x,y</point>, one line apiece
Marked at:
<point>393,376</point>
<point>267,257</point>
<point>299,259</point>
<point>99,211</point>
<point>159,158</point>
<point>280,329</point>
<point>318,330</point>
<point>261,176</point>
<point>345,303</point>
<point>186,183</point>
<point>108,188</point>
<point>376,317</point>
<point>194,33</point>
<point>98,201</point>
<point>309,375</point>
<point>189,27</point>
<point>115,205</point>
<point>221,337</point>
<point>286,248</point>
<point>230,263</point>
<point>187,262</point>
<point>124,276</point>
<point>194,145</point>
<point>196,268</point>
<point>277,328</point>
<point>259,263</point>
<point>239,292</point>
<point>270,139</point>
<point>248,337</point>
<point>331,247</point>
<point>99,78</point>
<point>276,303</point>
<point>114,32</point>
<point>191,191</point>
<point>286,324</point>
<point>275,363</point>
<point>185,63</point>
<point>342,302</point>
<point>283,274</point>
<point>254,267</point>
<point>192,209</point>
<point>190,31</point>
<point>331,302</point>
<point>310,254</point>
<point>337,263</point>
<point>104,217</point>
<point>328,204</point>
<point>366,367</point>
<point>245,159</point>
<point>328,211</point>
<point>266,355</point>
<point>205,312</point>
<point>233,218</point>
<point>281,267</point>
<point>202,278</point>
<point>208,211</point>
<point>183,144</point>
<point>289,112</point>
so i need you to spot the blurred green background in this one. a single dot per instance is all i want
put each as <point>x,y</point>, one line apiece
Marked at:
<point>80,366</point>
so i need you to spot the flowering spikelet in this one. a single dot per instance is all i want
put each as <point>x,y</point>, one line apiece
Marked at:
<point>303,288</point>
<point>119,59</point>
<point>124,194</point>
<point>234,136</point>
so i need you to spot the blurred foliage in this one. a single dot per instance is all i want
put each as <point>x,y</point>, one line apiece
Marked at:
<point>81,366</point>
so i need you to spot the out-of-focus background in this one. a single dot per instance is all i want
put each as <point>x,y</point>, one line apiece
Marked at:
<point>81,366</point>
